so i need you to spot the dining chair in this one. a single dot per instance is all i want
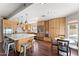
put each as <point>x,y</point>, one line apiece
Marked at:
<point>63,47</point>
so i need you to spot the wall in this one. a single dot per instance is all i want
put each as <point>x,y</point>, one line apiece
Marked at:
<point>1,30</point>
<point>73,16</point>
<point>70,18</point>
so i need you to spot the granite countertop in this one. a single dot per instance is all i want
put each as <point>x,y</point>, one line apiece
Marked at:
<point>20,36</point>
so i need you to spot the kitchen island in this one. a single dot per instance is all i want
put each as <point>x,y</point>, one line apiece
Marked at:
<point>20,39</point>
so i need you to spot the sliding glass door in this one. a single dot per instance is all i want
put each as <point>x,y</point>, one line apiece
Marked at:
<point>73,33</point>
<point>73,36</point>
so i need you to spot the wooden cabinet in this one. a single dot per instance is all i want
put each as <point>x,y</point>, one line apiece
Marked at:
<point>13,24</point>
<point>62,26</point>
<point>9,23</point>
<point>57,27</point>
<point>43,27</point>
<point>54,27</point>
<point>46,25</point>
<point>6,23</point>
<point>40,30</point>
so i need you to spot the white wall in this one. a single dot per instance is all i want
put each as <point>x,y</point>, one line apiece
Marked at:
<point>73,16</point>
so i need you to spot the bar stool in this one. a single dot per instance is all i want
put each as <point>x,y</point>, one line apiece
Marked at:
<point>8,47</point>
<point>26,46</point>
<point>7,44</point>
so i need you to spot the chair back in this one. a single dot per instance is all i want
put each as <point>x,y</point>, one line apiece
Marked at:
<point>63,46</point>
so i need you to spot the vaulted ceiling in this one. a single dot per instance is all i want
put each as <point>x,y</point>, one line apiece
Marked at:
<point>38,11</point>
<point>9,9</point>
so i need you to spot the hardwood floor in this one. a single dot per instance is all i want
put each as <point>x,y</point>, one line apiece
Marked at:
<point>40,48</point>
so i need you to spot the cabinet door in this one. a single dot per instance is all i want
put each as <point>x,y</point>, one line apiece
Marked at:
<point>57,27</point>
<point>6,23</point>
<point>51,27</point>
<point>62,26</point>
<point>47,25</point>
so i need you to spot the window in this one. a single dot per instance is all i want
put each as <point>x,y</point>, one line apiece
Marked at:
<point>73,32</point>
<point>8,31</point>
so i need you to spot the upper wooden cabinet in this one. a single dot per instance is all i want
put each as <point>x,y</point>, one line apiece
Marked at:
<point>6,23</point>
<point>13,24</point>
<point>9,23</point>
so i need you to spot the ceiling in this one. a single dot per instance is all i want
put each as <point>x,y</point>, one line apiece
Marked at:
<point>7,8</point>
<point>37,12</point>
